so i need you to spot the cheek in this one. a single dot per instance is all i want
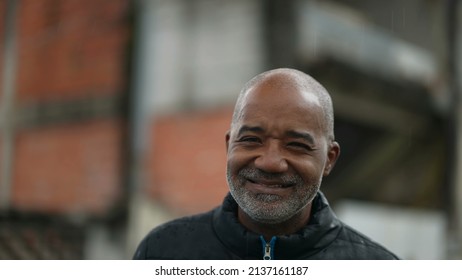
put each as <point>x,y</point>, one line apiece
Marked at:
<point>233,164</point>
<point>236,158</point>
<point>310,172</point>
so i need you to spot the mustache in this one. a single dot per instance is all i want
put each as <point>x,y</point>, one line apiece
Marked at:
<point>255,174</point>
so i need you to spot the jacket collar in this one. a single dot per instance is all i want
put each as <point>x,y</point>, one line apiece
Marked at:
<point>321,230</point>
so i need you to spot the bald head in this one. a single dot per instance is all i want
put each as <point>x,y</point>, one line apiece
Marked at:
<point>285,80</point>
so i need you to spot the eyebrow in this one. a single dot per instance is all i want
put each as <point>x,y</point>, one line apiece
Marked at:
<point>302,135</point>
<point>246,128</point>
<point>291,133</point>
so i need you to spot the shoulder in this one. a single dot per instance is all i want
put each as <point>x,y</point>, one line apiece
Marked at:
<point>358,246</point>
<point>177,239</point>
<point>178,227</point>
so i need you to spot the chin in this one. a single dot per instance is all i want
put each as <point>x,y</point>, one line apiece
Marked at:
<point>267,209</point>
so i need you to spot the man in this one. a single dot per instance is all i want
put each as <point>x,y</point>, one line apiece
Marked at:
<point>279,147</point>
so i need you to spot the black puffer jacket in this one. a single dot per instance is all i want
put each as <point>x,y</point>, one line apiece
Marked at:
<point>218,235</point>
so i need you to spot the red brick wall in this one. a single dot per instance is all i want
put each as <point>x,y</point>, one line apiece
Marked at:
<point>68,168</point>
<point>69,51</point>
<point>188,161</point>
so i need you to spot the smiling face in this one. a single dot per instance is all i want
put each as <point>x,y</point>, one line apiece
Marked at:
<point>278,150</point>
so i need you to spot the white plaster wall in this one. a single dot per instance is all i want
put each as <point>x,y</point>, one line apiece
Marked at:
<point>198,53</point>
<point>409,233</point>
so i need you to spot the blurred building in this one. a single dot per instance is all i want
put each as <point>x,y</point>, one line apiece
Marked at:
<point>63,133</point>
<point>114,114</point>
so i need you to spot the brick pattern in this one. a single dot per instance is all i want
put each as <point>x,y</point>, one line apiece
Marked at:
<point>70,49</point>
<point>70,52</point>
<point>188,160</point>
<point>69,168</point>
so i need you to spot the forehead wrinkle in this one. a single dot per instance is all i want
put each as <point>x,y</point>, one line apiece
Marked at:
<point>313,111</point>
<point>287,78</point>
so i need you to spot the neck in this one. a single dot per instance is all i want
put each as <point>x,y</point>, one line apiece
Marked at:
<point>290,226</point>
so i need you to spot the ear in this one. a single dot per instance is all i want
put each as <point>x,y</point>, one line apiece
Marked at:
<point>333,153</point>
<point>227,136</point>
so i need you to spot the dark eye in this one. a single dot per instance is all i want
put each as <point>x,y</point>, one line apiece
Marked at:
<point>300,145</point>
<point>250,139</point>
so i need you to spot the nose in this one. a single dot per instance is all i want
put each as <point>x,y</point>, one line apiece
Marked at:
<point>271,159</point>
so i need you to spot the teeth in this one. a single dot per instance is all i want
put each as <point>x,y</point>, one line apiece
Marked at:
<point>266,185</point>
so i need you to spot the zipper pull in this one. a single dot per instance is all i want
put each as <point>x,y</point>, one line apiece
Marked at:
<point>267,255</point>
<point>268,247</point>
